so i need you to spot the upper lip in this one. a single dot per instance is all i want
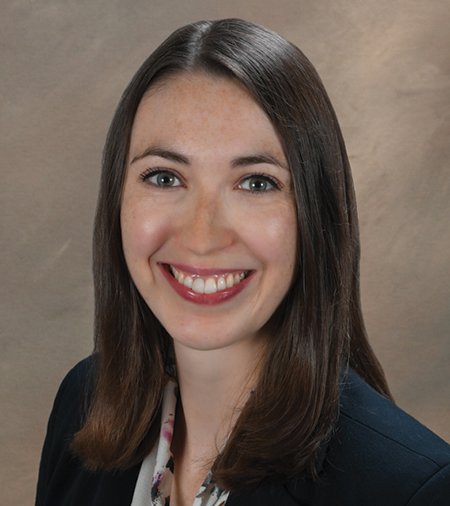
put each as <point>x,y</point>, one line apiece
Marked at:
<point>201,271</point>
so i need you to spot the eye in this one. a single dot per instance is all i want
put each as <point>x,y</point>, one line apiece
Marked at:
<point>258,183</point>
<point>162,178</point>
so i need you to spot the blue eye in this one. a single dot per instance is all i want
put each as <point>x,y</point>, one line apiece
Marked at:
<point>162,178</point>
<point>258,183</point>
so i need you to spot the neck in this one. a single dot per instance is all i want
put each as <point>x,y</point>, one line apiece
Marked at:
<point>214,385</point>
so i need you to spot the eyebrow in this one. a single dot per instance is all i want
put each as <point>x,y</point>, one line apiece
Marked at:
<point>241,161</point>
<point>163,153</point>
<point>245,161</point>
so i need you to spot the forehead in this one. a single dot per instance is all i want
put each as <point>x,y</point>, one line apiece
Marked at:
<point>197,88</point>
<point>192,108</point>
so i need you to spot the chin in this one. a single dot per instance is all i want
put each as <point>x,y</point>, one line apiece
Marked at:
<point>203,342</point>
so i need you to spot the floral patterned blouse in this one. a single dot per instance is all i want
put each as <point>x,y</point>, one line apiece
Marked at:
<point>154,482</point>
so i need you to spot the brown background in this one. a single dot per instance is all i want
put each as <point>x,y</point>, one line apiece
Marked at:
<point>64,65</point>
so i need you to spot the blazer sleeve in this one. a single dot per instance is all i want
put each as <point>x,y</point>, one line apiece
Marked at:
<point>62,425</point>
<point>63,479</point>
<point>435,491</point>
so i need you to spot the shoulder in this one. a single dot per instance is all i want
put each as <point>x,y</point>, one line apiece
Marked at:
<point>63,480</point>
<point>368,421</point>
<point>381,455</point>
<point>68,408</point>
<point>74,391</point>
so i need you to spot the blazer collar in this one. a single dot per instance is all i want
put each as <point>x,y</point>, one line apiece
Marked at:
<point>275,495</point>
<point>266,495</point>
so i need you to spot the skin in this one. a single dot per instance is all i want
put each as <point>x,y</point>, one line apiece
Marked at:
<point>218,139</point>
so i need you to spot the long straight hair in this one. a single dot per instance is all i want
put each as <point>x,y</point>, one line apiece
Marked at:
<point>317,331</point>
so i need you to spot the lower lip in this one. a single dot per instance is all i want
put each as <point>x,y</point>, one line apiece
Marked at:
<point>210,299</point>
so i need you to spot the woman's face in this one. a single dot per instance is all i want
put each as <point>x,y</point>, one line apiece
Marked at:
<point>208,213</point>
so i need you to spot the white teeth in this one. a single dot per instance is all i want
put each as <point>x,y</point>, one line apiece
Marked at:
<point>221,284</point>
<point>210,286</point>
<point>198,285</point>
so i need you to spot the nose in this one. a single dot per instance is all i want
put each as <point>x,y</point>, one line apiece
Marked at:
<point>205,229</point>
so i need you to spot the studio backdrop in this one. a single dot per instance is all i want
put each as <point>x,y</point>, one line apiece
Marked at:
<point>64,65</point>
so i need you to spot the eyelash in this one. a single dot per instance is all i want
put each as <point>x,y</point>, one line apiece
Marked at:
<point>148,173</point>
<point>155,171</point>
<point>261,175</point>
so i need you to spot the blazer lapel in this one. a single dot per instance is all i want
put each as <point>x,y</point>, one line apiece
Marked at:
<point>275,495</point>
<point>304,491</point>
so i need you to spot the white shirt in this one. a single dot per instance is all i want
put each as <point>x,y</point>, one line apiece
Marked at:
<point>155,478</point>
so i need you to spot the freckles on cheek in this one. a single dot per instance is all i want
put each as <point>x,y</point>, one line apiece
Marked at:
<point>275,240</point>
<point>143,234</point>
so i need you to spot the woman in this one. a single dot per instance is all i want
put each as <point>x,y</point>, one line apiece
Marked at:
<point>232,363</point>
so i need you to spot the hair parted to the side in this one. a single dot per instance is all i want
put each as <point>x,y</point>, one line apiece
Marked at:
<point>318,330</point>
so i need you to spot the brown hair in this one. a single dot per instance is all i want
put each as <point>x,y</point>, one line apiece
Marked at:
<point>318,330</point>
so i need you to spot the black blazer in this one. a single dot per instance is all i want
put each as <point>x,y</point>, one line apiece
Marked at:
<point>379,456</point>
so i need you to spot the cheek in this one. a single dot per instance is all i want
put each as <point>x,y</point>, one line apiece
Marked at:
<point>143,232</point>
<point>273,237</point>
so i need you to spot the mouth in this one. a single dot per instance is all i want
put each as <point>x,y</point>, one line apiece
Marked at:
<point>206,286</point>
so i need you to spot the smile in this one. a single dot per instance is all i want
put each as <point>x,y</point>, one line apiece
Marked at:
<point>208,284</point>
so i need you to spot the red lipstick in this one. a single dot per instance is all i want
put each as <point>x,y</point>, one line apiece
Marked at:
<point>211,299</point>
